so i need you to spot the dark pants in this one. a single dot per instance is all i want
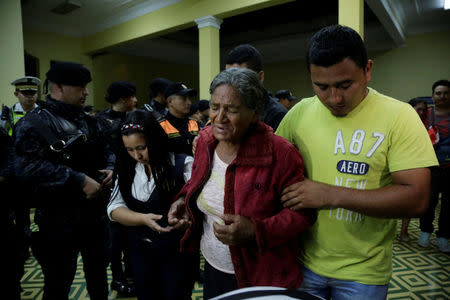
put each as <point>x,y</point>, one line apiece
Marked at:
<point>440,183</point>
<point>13,266</point>
<point>217,283</point>
<point>57,255</point>
<point>162,273</point>
<point>118,245</point>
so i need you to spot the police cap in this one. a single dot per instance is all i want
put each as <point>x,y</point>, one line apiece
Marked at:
<point>119,89</point>
<point>69,73</point>
<point>27,83</point>
<point>180,89</point>
<point>284,94</point>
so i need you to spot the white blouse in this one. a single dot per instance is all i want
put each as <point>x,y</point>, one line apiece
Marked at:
<point>210,202</point>
<point>142,186</point>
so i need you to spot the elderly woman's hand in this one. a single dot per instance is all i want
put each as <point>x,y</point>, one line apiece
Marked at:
<point>238,230</point>
<point>177,216</point>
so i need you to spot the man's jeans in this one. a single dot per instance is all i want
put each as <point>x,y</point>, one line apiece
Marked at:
<point>340,289</point>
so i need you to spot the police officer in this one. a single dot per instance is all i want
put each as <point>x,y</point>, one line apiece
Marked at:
<point>13,264</point>
<point>179,128</point>
<point>27,93</point>
<point>61,153</point>
<point>158,101</point>
<point>122,97</point>
<point>285,98</point>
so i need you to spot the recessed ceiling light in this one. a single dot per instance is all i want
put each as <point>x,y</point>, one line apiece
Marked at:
<point>66,7</point>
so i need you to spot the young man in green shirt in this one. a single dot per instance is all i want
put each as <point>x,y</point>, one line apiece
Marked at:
<point>366,157</point>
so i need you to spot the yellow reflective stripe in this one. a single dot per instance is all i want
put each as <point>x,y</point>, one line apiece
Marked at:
<point>16,117</point>
<point>173,135</point>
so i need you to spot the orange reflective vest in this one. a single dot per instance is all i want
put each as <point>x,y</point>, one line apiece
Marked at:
<point>172,132</point>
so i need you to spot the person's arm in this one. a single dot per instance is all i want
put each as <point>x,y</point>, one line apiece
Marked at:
<point>279,228</point>
<point>409,154</point>
<point>118,211</point>
<point>128,217</point>
<point>407,196</point>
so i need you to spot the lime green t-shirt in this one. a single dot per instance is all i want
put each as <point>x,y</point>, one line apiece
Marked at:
<point>360,151</point>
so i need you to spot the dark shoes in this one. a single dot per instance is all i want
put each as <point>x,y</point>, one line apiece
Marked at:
<point>123,288</point>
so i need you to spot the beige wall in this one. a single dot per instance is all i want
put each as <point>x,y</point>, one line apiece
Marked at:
<point>291,75</point>
<point>402,73</point>
<point>50,46</point>
<point>410,71</point>
<point>12,64</point>
<point>138,70</point>
<point>104,68</point>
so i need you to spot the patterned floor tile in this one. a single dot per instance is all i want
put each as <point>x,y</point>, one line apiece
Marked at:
<point>419,274</point>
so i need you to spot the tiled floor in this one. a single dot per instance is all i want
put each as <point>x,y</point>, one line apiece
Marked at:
<point>418,274</point>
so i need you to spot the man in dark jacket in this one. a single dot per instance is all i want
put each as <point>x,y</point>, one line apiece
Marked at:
<point>158,101</point>
<point>247,56</point>
<point>13,265</point>
<point>122,96</point>
<point>61,153</point>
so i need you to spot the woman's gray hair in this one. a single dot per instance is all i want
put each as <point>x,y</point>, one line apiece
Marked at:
<point>246,82</point>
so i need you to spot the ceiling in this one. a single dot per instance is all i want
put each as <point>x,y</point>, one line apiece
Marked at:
<point>280,33</point>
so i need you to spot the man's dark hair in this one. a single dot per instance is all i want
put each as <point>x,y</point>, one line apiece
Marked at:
<point>332,44</point>
<point>158,85</point>
<point>443,82</point>
<point>248,54</point>
<point>414,101</point>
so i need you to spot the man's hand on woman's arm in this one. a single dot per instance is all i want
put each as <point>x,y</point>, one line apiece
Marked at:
<point>407,196</point>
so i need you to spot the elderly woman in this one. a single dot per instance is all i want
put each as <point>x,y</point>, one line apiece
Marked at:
<point>232,201</point>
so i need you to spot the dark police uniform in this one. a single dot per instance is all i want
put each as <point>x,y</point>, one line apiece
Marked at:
<point>272,111</point>
<point>13,262</point>
<point>18,214</point>
<point>57,145</point>
<point>156,87</point>
<point>111,121</point>
<point>181,133</point>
